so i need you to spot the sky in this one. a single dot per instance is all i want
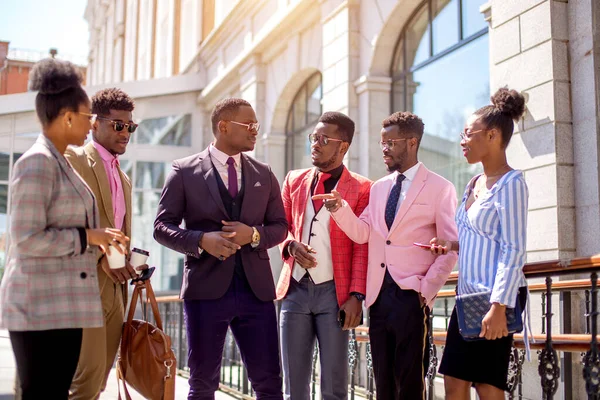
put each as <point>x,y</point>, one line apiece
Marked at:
<point>42,24</point>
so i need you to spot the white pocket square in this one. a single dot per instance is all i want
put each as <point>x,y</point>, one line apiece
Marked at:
<point>257,184</point>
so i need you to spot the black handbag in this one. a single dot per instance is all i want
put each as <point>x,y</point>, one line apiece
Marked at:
<point>472,308</point>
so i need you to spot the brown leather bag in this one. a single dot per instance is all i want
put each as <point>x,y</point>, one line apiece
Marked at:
<point>146,361</point>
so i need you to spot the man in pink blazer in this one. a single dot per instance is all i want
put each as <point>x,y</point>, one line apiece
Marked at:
<point>410,205</point>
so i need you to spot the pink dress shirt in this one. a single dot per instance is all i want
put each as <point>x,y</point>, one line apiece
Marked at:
<point>111,165</point>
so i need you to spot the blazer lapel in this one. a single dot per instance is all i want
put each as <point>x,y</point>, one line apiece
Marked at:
<point>303,194</point>
<point>105,201</point>
<point>209,174</point>
<point>415,188</point>
<point>249,178</point>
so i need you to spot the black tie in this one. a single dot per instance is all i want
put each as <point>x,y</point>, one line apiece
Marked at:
<point>392,203</point>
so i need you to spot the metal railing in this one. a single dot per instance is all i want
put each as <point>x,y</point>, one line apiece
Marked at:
<point>234,377</point>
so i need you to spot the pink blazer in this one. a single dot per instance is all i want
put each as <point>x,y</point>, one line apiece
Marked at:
<point>428,211</point>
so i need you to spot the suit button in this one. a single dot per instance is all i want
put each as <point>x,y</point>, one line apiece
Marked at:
<point>388,242</point>
<point>83,275</point>
<point>382,265</point>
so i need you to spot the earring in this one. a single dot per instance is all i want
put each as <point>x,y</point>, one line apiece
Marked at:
<point>69,123</point>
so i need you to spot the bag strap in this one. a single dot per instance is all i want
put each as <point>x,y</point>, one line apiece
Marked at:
<point>121,380</point>
<point>151,298</point>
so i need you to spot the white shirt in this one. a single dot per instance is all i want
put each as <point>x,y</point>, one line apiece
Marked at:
<point>220,162</point>
<point>409,175</point>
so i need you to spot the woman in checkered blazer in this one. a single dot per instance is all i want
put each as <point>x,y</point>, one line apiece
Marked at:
<point>50,289</point>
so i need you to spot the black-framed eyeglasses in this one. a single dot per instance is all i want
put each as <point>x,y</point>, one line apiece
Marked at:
<point>120,125</point>
<point>390,143</point>
<point>468,134</point>
<point>322,139</point>
<point>252,127</point>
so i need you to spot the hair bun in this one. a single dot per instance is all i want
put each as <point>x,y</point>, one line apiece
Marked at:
<point>509,102</point>
<point>52,76</point>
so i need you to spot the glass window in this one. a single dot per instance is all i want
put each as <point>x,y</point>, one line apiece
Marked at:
<point>472,19</point>
<point>446,32</point>
<point>303,115</point>
<point>4,162</point>
<point>174,130</point>
<point>169,263</point>
<point>422,85</point>
<point>151,175</point>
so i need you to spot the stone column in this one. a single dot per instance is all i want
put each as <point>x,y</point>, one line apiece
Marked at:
<point>252,89</point>
<point>339,20</point>
<point>529,52</point>
<point>374,104</point>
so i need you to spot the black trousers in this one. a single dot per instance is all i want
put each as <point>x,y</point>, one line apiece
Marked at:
<point>398,329</point>
<point>46,361</point>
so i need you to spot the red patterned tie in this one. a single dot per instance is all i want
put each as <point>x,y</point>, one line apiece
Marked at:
<point>320,189</point>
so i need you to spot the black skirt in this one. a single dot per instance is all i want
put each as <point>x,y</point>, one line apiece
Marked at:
<point>478,361</point>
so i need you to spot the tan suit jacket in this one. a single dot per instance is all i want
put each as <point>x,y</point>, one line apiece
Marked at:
<point>99,346</point>
<point>88,163</point>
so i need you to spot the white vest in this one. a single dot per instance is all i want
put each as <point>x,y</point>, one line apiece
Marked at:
<point>316,234</point>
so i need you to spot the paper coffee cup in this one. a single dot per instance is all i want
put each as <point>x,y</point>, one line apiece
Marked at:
<point>116,260</point>
<point>138,258</point>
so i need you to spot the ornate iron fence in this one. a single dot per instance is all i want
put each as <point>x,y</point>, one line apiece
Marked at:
<point>234,377</point>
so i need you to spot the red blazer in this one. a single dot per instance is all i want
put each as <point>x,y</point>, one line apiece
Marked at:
<point>349,259</point>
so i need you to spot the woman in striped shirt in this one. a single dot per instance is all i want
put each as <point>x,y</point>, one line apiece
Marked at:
<point>492,225</point>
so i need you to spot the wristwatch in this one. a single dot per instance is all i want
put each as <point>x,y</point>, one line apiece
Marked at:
<point>359,296</point>
<point>255,238</point>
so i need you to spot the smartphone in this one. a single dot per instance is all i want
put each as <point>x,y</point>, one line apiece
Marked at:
<point>342,318</point>
<point>144,276</point>
<point>423,246</point>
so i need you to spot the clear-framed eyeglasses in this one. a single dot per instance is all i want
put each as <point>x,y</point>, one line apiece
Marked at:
<point>390,143</point>
<point>322,139</point>
<point>252,127</point>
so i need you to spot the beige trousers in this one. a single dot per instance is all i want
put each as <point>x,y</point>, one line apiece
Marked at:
<point>100,345</point>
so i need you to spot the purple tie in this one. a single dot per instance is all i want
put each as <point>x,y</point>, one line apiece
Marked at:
<point>232,177</point>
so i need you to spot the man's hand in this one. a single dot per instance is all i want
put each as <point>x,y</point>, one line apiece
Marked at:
<point>219,244</point>
<point>353,309</point>
<point>494,324</point>
<point>333,200</point>
<point>121,275</point>
<point>302,254</point>
<point>243,233</point>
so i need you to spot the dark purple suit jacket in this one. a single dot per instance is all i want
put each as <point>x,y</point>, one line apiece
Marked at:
<point>191,194</point>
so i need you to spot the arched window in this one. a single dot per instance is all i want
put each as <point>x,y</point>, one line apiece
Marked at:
<point>441,73</point>
<point>302,118</point>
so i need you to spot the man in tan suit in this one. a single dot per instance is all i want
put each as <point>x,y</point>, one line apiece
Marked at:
<point>98,164</point>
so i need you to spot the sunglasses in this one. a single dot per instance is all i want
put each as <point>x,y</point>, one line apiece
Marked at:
<point>91,117</point>
<point>322,139</point>
<point>252,127</point>
<point>120,125</point>
<point>468,134</point>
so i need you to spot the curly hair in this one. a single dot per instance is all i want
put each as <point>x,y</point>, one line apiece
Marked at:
<point>407,123</point>
<point>507,106</point>
<point>225,110</point>
<point>111,99</point>
<point>58,84</point>
<point>344,124</point>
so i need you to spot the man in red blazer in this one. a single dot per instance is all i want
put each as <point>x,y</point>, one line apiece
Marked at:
<point>324,274</point>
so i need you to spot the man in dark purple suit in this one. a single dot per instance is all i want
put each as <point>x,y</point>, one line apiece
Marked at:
<point>232,208</point>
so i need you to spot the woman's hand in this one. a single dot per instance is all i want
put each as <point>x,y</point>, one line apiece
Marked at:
<point>103,238</point>
<point>494,324</point>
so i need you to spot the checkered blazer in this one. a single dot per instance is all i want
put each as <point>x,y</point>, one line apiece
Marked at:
<point>48,282</point>
<point>349,259</point>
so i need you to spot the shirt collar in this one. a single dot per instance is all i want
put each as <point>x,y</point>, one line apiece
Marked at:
<point>222,157</point>
<point>105,154</point>
<point>410,173</point>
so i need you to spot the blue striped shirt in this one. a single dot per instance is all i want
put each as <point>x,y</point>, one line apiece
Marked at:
<point>492,236</point>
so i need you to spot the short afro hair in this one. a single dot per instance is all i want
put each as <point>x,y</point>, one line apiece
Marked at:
<point>408,124</point>
<point>58,84</point>
<point>344,124</point>
<point>225,110</point>
<point>111,99</point>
